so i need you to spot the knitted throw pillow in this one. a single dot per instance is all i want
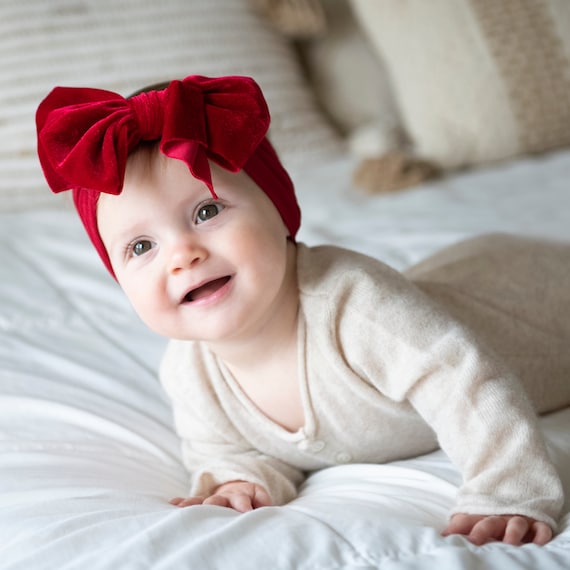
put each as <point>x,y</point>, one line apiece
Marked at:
<point>476,80</point>
<point>127,44</point>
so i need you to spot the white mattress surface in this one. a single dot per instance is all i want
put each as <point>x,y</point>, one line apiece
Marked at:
<point>88,456</point>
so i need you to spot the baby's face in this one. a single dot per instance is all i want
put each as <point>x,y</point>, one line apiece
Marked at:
<point>195,268</point>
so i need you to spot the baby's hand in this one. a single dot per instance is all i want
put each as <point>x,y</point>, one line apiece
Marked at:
<point>239,495</point>
<point>511,529</point>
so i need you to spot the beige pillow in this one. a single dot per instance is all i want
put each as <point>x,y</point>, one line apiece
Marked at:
<point>123,45</point>
<point>476,80</point>
<point>349,79</point>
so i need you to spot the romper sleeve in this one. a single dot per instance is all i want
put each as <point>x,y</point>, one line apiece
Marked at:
<point>407,346</point>
<point>213,450</point>
<point>487,426</point>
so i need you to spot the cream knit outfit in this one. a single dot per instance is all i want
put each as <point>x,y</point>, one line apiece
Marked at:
<point>387,373</point>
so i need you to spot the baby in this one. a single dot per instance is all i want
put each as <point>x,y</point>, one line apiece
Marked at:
<point>286,359</point>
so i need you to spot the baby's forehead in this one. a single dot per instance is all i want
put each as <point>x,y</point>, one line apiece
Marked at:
<point>109,210</point>
<point>144,159</point>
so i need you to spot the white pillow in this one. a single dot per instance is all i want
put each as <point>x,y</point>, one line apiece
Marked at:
<point>123,45</point>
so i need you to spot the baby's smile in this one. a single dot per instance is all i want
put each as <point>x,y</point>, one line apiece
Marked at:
<point>206,289</point>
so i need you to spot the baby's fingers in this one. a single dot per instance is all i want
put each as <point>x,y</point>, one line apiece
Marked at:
<point>240,502</point>
<point>461,524</point>
<point>489,528</point>
<point>261,498</point>
<point>186,502</point>
<point>511,529</point>
<point>517,529</point>
<point>542,533</point>
<point>522,530</point>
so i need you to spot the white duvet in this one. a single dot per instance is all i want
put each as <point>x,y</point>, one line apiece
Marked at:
<point>88,456</point>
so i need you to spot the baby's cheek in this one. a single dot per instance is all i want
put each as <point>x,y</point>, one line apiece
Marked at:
<point>157,312</point>
<point>140,297</point>
<point>154,318</point>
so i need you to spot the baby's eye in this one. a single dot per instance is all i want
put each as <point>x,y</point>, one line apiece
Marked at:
<point>208,211</point>
<point>141,247</point>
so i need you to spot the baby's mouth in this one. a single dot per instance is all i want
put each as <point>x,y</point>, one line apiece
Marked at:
<point>206,289</point>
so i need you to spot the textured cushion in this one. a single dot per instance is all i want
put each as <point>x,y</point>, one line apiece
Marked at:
<point>476,80</point>
<point>351,82</point>
<point>127,44</point>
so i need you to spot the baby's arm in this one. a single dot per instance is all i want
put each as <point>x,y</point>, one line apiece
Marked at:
<point>511,491</point>
<point>239,495</point>
<point>226,467</point>
<point>478,410</point>
<point>511,529</point>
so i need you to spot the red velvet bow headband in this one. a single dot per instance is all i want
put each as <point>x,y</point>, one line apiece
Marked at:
<point>85,136</point>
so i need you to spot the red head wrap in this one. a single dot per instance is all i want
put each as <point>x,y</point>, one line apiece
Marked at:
<point>85,136</point>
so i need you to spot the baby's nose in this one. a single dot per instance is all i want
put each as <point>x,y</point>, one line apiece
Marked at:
<point>185,253</point>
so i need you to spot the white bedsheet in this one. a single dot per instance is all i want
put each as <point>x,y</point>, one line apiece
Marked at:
<point>88,457</point>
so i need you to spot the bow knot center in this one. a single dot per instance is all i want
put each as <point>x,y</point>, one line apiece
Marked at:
<point>148,111</point>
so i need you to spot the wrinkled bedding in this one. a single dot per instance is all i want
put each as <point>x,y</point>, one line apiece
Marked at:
<point>88,455</point>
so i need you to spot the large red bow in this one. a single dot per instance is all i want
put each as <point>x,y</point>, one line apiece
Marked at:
<point>85,135</point>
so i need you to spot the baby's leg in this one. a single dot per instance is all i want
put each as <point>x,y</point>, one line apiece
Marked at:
<point>514,294</point>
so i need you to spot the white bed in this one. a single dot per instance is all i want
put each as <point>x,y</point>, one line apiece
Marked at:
<point>89,458</point>
<point>88,455</point>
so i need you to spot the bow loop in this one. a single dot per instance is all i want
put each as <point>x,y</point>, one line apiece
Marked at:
<point>73,119</point>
